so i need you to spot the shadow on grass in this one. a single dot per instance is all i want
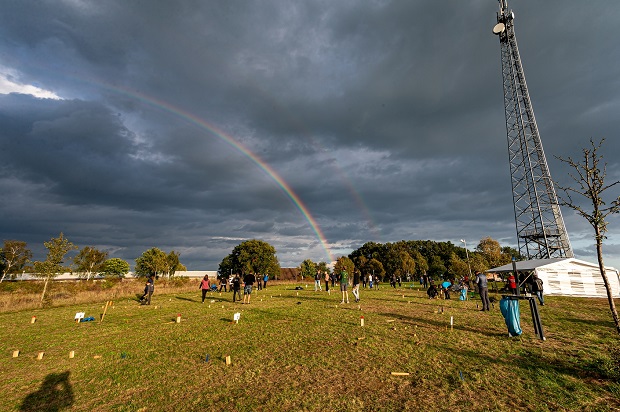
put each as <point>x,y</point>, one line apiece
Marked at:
<point>55,394</point>
<point>186,299</point>
<point>562,370</point>
<point>441,324</point>
<point>589,322</point>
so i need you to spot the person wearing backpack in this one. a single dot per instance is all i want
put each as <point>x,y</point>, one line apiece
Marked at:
<point>236,287</point>
<point>481,282</point>
<point>537,288</point>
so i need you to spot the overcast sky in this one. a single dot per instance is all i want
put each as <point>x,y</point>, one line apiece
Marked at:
<point>316,126</point>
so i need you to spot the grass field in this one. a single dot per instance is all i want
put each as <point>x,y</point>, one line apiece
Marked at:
<point>304,351</point>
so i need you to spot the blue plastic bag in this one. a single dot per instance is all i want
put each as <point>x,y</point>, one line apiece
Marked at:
<point>512,315</point>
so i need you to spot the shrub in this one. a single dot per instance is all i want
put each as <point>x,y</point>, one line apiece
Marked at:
<point>177,281</point>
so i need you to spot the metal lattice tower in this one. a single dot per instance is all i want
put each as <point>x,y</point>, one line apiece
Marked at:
<point>541,232</point>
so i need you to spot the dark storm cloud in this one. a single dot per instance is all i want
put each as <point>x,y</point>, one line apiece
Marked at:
<point>385,118</point>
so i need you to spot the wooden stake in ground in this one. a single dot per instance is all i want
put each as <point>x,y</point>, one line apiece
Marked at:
<point>40,355</point>
<point>178,318</point>
<point>362,321</point>
<point>228,362</point>
<point>33,320</point>
<point>15,353</point>
<point>400,373</point>
<point>105,309</point>
<point>71,354</point>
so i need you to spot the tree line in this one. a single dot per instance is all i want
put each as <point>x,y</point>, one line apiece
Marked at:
<point>408,257</point>
<point>440,260</point>
<point>16,258</point>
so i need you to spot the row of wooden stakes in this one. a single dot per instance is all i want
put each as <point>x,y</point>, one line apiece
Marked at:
<point>40,354</point>
<point>72,355</point>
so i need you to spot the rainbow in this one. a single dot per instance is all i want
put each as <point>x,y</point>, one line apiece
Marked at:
<point>231,141</point>
<point>303,130</point>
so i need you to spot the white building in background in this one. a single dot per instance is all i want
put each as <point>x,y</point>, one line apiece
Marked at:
<point>567,276</point>
<point>193,274</point>
<point>196,274</point>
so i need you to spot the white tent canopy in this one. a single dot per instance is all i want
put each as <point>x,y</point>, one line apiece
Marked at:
<point>567,276</point>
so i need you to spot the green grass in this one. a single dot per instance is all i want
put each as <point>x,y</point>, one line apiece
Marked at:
<point>308,353</point>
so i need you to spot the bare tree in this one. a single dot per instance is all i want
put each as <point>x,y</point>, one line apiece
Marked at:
<point>591,185</point>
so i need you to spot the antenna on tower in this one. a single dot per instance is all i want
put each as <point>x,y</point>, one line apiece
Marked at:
<point>541,232</point>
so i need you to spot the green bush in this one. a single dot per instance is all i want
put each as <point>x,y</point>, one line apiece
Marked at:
<point>21,286</point>
<point>177,281</point>
<point>109,282</point>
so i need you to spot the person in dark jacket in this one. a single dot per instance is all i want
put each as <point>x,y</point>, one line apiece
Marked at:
<point>236,287</point>
<point>432,291</point>
<point>317,281</point>
<point>483,289</point>
<point>537,288</point>
<point>356,285</point>
<point>149,288</point>
<point>248,282</point>
<point>223,282</point>
<point>344,282</point>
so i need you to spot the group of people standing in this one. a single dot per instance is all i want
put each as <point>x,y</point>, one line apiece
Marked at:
<point>535,286</point>
<point>371,281</point>
<point>343,278</point>
<point>234,285</point>
<point>394,279</point>
<point>344,284</point>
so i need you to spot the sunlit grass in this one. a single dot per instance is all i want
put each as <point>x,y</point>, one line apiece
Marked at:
<point>302,350</point>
